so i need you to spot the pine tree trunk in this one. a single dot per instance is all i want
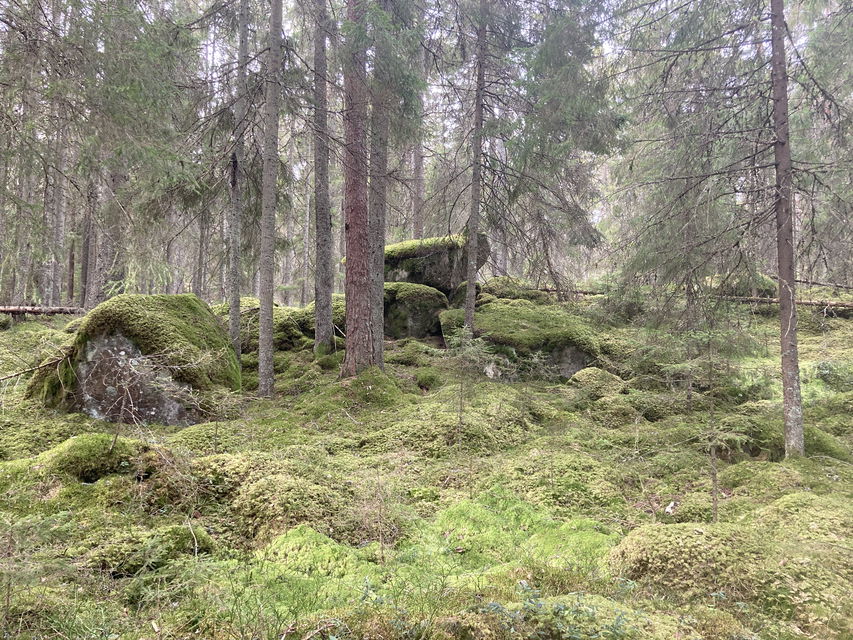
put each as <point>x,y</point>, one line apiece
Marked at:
<point>324,274</point>
<point>476,174</point>
<point>377,198</point>
<point>88,246</point>
<point>266,276</point>
<point>306,238</point>
<point>792,402</point>
<point>235,212</point>
<point>358,282</point>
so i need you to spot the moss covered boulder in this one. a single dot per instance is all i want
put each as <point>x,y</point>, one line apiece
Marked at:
<point>143,359</point>
<point>411,310</point>
<point>520,328</point>
<point>440,263</point>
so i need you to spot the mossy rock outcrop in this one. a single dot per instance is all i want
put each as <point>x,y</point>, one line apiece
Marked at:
<point>520,328</point>
<point>143,359</point>
<point>440,263</point>
<point>411,310</point>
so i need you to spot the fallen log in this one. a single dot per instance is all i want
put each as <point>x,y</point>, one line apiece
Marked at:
<point>826,304</point>
<point>41,311</point>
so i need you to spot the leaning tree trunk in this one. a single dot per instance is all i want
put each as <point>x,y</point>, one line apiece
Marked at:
<point>792,402</point>
<point>476,159</point>
<point>266,276</point>
<point>358,281</point>
<point>324,270</point>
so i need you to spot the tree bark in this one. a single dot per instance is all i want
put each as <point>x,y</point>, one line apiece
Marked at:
<point>306,253</point>
<point>358,281</point>
<point>88,243</point>
<point>266,277</point>
<point>792,402</point>
<point>235,212</point>
<point>324,274</point>
<point>476,173</point>
<point>377,199</point>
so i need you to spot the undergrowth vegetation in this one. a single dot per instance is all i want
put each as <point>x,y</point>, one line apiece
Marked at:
<point>471,490</point>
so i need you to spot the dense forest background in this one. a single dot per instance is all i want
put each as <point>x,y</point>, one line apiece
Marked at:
<point>512,319</point>
<point>629,139</point>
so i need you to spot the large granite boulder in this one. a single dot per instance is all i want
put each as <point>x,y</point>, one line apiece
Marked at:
<point>143,359</point>
<point>411,310</point>
<point>440,263</point>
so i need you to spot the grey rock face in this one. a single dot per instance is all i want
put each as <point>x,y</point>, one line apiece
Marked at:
<point>116,382</point>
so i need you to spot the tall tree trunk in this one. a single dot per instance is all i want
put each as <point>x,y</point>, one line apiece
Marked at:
<point>377,198</point>
<point>476,173</point>
<point>324,274</point>
<point>235,212</point>
<point>792,401</point>
<point>358,281</point>
<point>306,253</point>
<point>266,277</point>
<point>88,247</point>
<point>200,271</point>
<point>418,163</point>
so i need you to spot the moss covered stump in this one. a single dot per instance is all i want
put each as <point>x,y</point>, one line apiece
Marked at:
<point>143,359</point>
<point>440,263</point>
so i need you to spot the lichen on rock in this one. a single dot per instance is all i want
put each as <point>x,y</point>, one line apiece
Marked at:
<point>143,359</point>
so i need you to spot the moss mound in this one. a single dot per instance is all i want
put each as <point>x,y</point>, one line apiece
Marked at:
<point>596,383</point>
<point>137,550</point>
<point>287,329</point>
<point>89,457</point>
<point>521,328</point>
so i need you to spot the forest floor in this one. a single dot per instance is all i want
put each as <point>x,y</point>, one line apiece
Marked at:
<point>436,501</point>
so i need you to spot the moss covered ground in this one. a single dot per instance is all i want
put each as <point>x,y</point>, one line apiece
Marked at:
<point>466,492</point>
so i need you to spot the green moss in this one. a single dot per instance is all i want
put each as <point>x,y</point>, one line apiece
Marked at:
<point>412,310</point>
<point>246,303</point>
<point>305,316</point>
<point>26,430</point>
<point>690,561</point>
<point>306,551</point>
<point>90,456</point>
<point>418,248</point>
<point>513,288</point>
<point>136,550</point>
<point>410,353</point>
<point>613,412</point>
<point>596,383</point>
<point>527,328</point>
<point>838,376</point>
<point>5,321</point>
<point>277,502</point>
<point>180,329</point>
<point>493,419</point>
<point>287,329</point>
<point>429,378</point>
<point>566,482</point>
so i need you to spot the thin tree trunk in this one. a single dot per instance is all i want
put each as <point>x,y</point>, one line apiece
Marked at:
<point>358,282</point>
<point>306,237</point>
<point>266,277</point>
<point>792,402</point>
<point>235,213</point>
<point>476,159</point>
<point>88,243</point>
<point>324,274</point>
<point>377,198</point>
